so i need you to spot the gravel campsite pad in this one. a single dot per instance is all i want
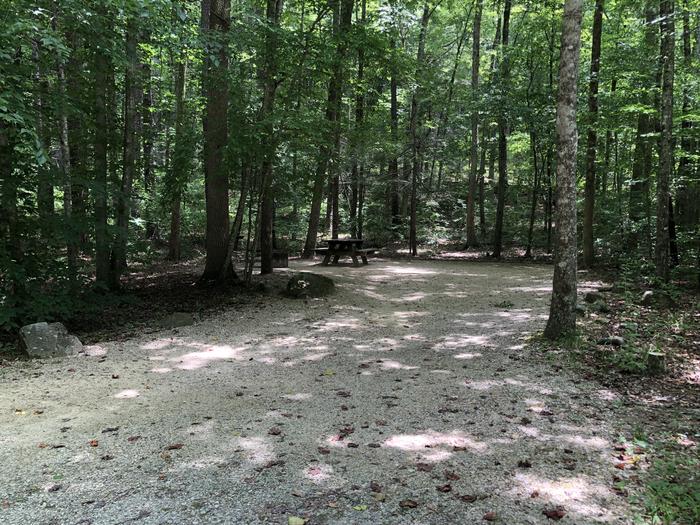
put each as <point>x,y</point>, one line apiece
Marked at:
<point>408,396</point>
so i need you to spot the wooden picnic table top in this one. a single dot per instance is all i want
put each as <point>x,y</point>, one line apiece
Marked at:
<point>344,241</point>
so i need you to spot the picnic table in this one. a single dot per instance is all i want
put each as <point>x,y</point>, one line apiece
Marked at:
<point>338,248</point>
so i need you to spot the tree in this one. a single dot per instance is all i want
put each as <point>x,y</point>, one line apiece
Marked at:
<point>661,250</point>
<point>215,26</point>
<point>589,202</point>
<point>502,134</point>
<point>562,312</point>
<point>474,155</point>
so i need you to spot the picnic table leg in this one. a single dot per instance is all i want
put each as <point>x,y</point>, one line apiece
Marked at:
<point>364,259</point>
<point>335,259</point>
<point>326,259</point>
<point>354,260</point>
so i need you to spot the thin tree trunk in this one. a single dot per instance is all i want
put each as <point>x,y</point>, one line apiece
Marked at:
<point>102,65</point>
<point>535,192</point>
<point>562,313</point>
<point>178,174</point>
<point>270,83</point>
<point>661,251</point>
<point>416,134</point>
<point>476,45</point>
<point>591,149</point>
<point>118,257</point>
<point>503,131</point>
<point>393,167</point>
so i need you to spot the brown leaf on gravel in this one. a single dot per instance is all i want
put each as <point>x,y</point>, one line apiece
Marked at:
<point>452,476</point>
<point>380,423</point>
<point>53,488</point>
<point>490,516</point>
<point>555,513</point>
<point>43,445</point>
<point>408,504</point>
<point>107,457</point>
<point>469,498</point>
<point>133,439</point>
<point>323,450</point>
<point>115,376</point>
<point>110,429</point>
<point>343,393</point>
<point>353,445</point>
<point>93,443</point>
<point>175,446</point>
<point>535,494</point>
<point>620,466</point>
<point>525,421</point>
<point>58,446</point>
<point>444,488</point>
<point>374,486</point>
<point>524,463</point>
<point>424,467</point>
<point>457,448</point>
<point>345,432</point>
<point>373,445</point>
<point>274,431</point>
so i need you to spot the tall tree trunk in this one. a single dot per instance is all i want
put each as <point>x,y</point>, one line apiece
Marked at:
<point>535,192</point>
<point>476,48</point>
<point>416,133</point>
<point>131,91</point>
<point>103,78</point>
<point>562,313</point>
<point>215,26</point>
<point>393,167</point>
<point>642,163</point>
<point>591,147</point>
<point>147,126</point>
<point>503,131</point>
<point>45,190</point>
<point>357,170</point>
<point>661,251</point>
<point>269,82</point>
<point>329,153</point>
<point>178,169</point>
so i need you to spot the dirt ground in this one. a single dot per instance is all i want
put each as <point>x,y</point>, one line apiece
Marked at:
<point>408,396</point>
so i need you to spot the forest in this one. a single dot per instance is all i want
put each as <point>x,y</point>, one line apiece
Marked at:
<point>511,167</point>
<point>134,130</point>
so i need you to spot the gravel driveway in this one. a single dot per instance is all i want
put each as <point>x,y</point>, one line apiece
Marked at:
<point>406,397</point>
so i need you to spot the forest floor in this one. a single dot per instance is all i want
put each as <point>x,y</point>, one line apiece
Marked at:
<point>414,394</point>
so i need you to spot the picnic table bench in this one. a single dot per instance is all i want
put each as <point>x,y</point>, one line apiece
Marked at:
<point>338,248</point>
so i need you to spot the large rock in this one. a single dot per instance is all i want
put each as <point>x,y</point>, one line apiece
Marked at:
<point>48,340</point>
<point>306,284</point>
<point>658,299</point>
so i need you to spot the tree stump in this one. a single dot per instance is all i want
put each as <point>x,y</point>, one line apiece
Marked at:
<point>656,363</point>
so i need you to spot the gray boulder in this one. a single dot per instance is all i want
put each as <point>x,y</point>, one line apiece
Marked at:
<point>48,340</point>
<point>306,285</point>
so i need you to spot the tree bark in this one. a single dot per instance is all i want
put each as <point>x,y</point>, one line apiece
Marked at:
<point>269,142</point>
<point>215,26</point>
<point>503,131</point>
<point>474,160</point>
<point>591,148</point>
<point>562,313</point>
<point>131,91</point>
<point>661,250</point>
<point>178,170</point>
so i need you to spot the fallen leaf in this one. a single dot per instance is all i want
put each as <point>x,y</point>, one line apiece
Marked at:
<point>452,476</point>
<point>555,513</point>
<point>424,467</point>
<point>43,445</point>
<point>524,463</point>
<point>469,498</point>
<point>378,496</point>
<point>274,431</point>
<point>176,446</point>
<point>490,516</point>
<point>115,376</point>
<point>360,507</point>
<point>444,488</point>
<point>408,504</point>
<point>535,494</point>
<point>323,450</point>
<point>343,393</point>
<point>107,457</point>
<point>374,486</point>
<point>353,445</point>
<point>295,520</point>
<point>93,443</point>
<point>457,448</point>
<point>328,372</point>
<point>53,488</point>
<point>133,439</point>
<point>110,429</point>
